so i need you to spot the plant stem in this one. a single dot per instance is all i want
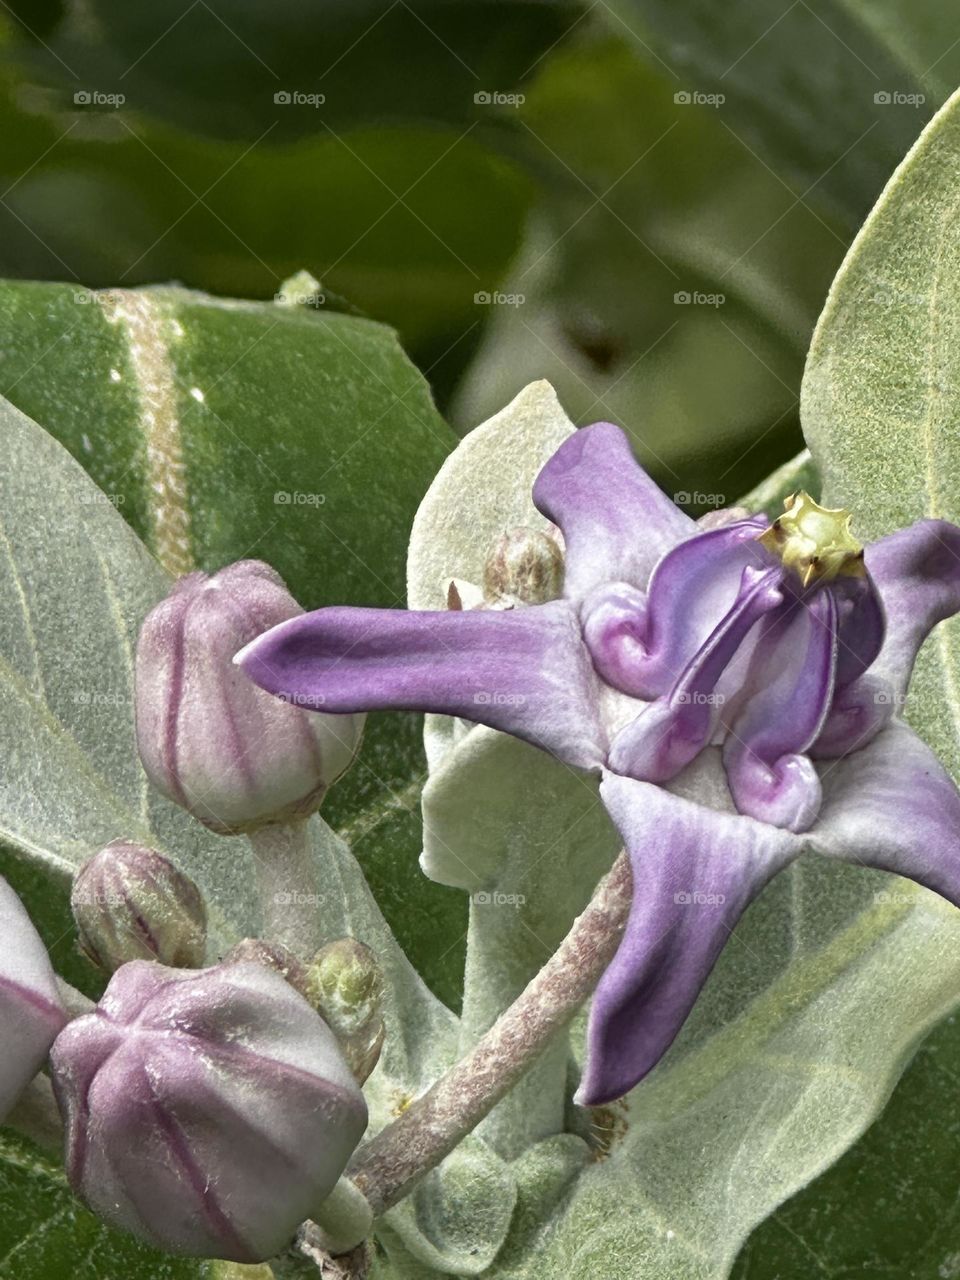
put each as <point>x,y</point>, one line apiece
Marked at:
<point>74,1001</point>
<point>343,1221</point>
<point>287,885</point>
<point>391,1163</point>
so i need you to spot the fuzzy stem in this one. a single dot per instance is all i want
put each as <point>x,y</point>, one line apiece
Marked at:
<point>389,1165</point>
<point>287,886</point>
<point>343,1221</point>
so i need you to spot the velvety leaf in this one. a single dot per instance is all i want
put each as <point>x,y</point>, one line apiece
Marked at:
<point>221,429</point>
<point>46,1234</point>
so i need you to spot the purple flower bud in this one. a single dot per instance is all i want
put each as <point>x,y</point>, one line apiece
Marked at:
<point>131,903</point>
<point>524,565</point>
<point>31,1013</point>
<point>207,1113</point>
<point>235,757</point>
<point>345,985</point>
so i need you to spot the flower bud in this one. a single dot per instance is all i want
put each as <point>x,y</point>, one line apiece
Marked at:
<point>236,757</point>
<point>131,903</point>
<point>274,956</point>
<point>524,565</point>
<point>345,986</point>
<point>207,1113</point>
<point>31,1012</point>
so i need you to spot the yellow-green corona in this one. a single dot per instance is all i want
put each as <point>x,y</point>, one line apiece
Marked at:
<point>814,541</point>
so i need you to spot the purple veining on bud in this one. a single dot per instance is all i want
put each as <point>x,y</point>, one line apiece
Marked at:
<point>234,757</point>
<point>345,985</point>
<point>525,565</point>
<point>31,1012</point>
<point>207,1113</point>
<point>131,903</point>
<point>736,683</point>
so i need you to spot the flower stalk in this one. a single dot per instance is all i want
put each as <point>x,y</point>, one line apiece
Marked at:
<point>287,886</point>
<point>387,1168</point>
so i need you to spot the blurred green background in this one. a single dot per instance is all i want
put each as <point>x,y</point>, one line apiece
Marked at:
<point>643,200</point>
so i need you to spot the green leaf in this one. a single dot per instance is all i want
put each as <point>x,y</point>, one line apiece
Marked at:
<point>880,404</point>
<point>46,1234</point>
<point>222,429</point>
<point>75,583</point>
<point>800,82</point>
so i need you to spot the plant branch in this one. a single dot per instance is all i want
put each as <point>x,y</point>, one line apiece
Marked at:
<point>390,1164</point>
<point>287,886</point>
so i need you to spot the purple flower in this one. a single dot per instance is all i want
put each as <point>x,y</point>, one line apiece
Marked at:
<point>208,1113</point>
<point>736,686</point>
<point>31,1014</point>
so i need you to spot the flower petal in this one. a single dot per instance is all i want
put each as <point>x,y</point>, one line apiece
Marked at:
<point>789,688</point>
<point>666,736</point>
<point>917,572</point>
<point>893,805</point>
<point>616,522</point>
<point>695,871</point>
<point>525,671</point>
<point>640,644</point>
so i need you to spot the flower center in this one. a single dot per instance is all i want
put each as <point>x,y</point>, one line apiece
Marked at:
<point>814,541</point>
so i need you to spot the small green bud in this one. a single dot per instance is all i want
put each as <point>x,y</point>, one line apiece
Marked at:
<point>525,565</point>
<point>131,903</point>
<point>345,986</point>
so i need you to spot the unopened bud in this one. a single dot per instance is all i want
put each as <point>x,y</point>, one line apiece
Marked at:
<point>131,903</point>
<point>274,956</point>
<point>31,1013</point>
<point>207,1113</point>
<point>525,565</point>
<point>236,757</point>
<point>345,986</point>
